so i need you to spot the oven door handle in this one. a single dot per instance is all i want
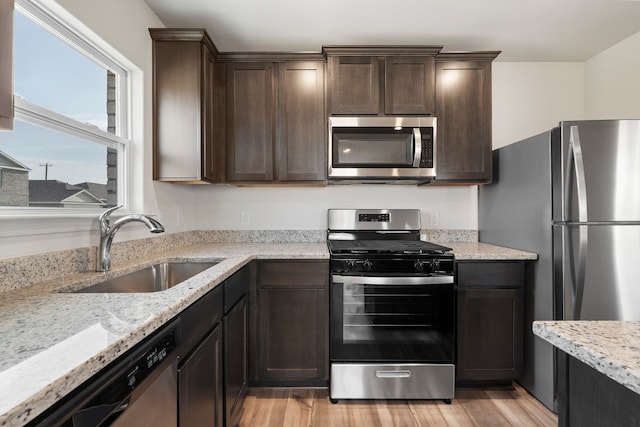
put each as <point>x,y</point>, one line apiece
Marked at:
<point>385,280</point>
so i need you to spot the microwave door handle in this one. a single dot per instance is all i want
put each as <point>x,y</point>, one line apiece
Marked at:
<point>417,147</point>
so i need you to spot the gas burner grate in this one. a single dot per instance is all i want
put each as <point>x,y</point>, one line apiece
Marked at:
<point>385,246</point>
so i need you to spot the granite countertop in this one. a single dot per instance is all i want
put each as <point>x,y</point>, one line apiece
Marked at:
<point>53,341</point>
<point>485,251</point>
<point>610,347</point>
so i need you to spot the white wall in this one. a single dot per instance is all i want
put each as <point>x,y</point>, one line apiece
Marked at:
<point>220,207</point>
<point>532,97</point>
<point>613,83</point>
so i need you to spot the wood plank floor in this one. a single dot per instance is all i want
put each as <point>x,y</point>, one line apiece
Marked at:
<point>312,407</point>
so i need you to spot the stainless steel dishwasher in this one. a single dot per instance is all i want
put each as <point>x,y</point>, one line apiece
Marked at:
<point>138,390</point>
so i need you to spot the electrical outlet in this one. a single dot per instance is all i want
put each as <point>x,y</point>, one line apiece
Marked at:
<point>244,218</point>
<point>434,220</point>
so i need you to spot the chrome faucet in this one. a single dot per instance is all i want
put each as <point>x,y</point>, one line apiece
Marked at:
<point>108,231</point>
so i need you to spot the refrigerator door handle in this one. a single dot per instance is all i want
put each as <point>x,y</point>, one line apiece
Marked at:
<point>575,156</point>
<point>579,282</point>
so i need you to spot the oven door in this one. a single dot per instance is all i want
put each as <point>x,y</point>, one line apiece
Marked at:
<point>392,318</point>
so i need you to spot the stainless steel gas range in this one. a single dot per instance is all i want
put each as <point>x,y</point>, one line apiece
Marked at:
<point>392,308</point>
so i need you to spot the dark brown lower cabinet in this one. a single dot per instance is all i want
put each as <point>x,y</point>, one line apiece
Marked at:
<point>490,322</point>
<point>235,366</point>
<point>200,384</point>
<point>290,324</point>
<point>200,362</point>
<point>236,324</point>
<point>590,398</point>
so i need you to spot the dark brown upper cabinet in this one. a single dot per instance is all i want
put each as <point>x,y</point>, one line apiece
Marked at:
<point>275,122</point>
<point>186,147</point>
<point>6,64</point>
<point>382,80</point>
<point>250,121</point>
<point>463,109</point>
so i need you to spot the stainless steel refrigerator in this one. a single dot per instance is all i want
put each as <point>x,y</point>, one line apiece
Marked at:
<point>571,195</point>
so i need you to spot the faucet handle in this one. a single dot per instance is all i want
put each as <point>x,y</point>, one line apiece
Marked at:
<point>104,216</point>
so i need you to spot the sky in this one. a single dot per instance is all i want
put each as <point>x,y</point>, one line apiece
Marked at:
<point>51,74</point>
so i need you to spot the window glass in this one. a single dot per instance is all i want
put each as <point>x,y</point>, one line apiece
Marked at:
<point>65,150</point>
<point>49,167</point>
<point>53,75</point>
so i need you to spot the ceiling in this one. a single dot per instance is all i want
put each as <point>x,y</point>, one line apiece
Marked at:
<point>524,30</point>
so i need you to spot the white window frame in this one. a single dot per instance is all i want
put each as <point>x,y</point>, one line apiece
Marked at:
<point>35,114</point>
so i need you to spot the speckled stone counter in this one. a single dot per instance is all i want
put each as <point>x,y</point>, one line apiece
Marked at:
<point>53,341</point>
<point>610,347</point>
<point>484,251</point>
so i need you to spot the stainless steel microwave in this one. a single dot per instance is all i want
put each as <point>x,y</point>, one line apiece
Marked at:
<point>390,150</point>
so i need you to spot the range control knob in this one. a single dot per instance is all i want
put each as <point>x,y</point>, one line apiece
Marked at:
<point>435,265</point>
<point>367,265</point>
<point>419,265</point>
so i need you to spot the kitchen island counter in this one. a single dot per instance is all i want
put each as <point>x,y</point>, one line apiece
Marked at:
<point>598,371</point>
<point>55,340</point>
<point>610,347</point>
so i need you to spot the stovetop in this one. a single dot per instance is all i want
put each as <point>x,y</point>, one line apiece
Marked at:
<point>397,257</point>
<point>383,241</point>
<point>392,247</point>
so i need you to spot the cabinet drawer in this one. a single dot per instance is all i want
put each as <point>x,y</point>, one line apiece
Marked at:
<point>405,381</point>
<point>490,274</point>
<point>200,317</point>
<point>235,287</point>
<point>293,273</point>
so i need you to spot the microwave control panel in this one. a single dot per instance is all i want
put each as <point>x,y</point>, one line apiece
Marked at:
<point>426,159</point>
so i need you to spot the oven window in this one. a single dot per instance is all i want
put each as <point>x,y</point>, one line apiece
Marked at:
<point>376,322</point>
<point>372,147</point>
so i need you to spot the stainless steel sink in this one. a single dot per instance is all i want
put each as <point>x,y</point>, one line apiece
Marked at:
<point>158,277</point>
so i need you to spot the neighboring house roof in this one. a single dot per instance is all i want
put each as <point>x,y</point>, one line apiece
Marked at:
<point>54,191</point>
<point>98,190</point>
<point>8,162</point>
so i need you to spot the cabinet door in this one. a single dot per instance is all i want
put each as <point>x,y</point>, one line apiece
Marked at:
<point>6,64</point>
<point>489,334</point>
<point>250,122</point>
<point>200,382</point>
<point>354,84</point>
<point>177,102</point>
<point>290,324</point>
<point>235,361</point>
<point>301,122</point>
<point>293,334</point>
<point>409,85</point>
<point>183,99</point>
<point>463,108</point>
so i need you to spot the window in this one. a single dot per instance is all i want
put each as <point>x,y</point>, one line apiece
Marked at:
<point>70,137</point>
